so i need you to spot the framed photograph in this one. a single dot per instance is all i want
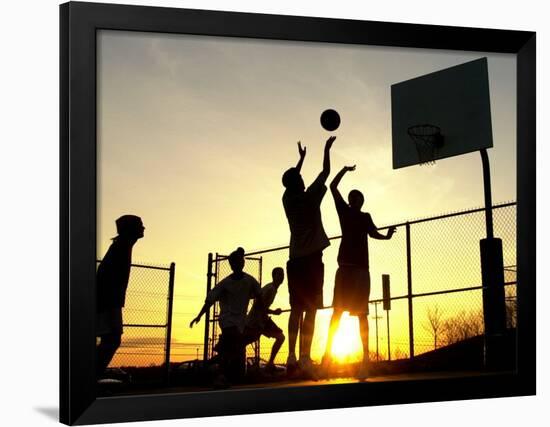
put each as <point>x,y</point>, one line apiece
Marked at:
<point>265,213</point>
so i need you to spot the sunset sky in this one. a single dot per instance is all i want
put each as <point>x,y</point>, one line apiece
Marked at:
<point>194,133</point>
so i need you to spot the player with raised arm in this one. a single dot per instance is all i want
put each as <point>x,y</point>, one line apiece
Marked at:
<point>305,269</point>
<point>352,282</point>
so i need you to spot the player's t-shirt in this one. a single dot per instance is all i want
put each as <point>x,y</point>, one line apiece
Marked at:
<point>356,226</point>
<point>303,212</point>
<point>233,296</point>
<point>258,314</point>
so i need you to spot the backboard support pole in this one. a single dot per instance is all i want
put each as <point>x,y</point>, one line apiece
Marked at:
<point>492,276</point>
<point>487,192</point>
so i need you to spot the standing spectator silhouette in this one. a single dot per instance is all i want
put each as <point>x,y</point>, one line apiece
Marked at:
<point>352,282</point>
<point>111,284</point>
<point>305,269</point>
<point>259,323</point>
<point>233,293</point>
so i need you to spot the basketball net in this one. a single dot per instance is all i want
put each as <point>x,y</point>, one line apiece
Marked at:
<point>427,140</point>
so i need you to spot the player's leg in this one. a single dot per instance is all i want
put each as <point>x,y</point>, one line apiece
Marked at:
<point>307,333</point>
<point>313,299</point>
<point>293,328</point>
<point>220,363</point>
<point>109,344</point>
<point>294,271</point>
<point>361,280</point>
<point>306,336</point>
<point>232,354</point>
<point>364,330</point>
<point>109,329</point>
<point>271,330</point>
<point>279,340</point>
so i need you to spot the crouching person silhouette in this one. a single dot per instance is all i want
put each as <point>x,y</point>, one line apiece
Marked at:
<point>112,278</point>
<point>259,323</point>
<point>233,293</point>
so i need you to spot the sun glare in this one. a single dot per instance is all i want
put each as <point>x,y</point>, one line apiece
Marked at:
<point>346,346</point>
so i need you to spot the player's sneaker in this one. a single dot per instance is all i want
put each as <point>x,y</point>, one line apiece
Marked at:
<point>326,365</point>
<point>271,369</point>
<point>307,369</point>
<point>364,371</point>
<point>291,365</point>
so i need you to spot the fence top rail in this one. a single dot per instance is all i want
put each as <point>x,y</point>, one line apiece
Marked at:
<point>400,224</point>
<point>449,215</point>
<point>152,267</point>
<point>425,294</point>
<point>145,325</point>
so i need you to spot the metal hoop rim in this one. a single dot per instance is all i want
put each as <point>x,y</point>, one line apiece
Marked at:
<point>435,130</point>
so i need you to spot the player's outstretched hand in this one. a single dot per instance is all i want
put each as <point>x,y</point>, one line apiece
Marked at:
<point>195,320</point>
<point>391,231</point>
<point>301,151</point>
<point>329,142</point>
<point>349,168</point>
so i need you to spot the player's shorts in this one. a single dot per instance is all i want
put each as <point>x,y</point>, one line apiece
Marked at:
<point>352,289</point>
<point>109,322</point>
<point>305,282</point>
<point>269,329</point>
<point>229,341</point>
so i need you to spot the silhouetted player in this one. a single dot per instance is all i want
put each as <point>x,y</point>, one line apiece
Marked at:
<point>233,294</point>
<point>305,267</point>
<point>352,282</point>
<point>259,323</point>
<point>112,281</point>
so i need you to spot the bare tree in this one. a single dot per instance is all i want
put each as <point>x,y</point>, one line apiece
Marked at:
<point>511,312</point>
<point>463,326</point>
<point>434,323</point>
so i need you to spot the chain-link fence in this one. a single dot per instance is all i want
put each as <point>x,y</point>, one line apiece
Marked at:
<point>436,288</point>
<point>147,319</point>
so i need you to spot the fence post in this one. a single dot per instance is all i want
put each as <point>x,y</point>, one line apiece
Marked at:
<point>169,320</point>
<point>409,290</point>
<point>388,333</point>
<point>376,317</point>
<point>257,355</point>
<point>207,316</point>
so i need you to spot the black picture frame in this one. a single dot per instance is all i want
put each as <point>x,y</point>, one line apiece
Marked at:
<point>78,25</point>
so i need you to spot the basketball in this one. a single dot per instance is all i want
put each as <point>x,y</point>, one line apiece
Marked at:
<point>330,120</point>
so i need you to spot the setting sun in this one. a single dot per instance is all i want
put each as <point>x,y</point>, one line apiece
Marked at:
<point>346,346</point>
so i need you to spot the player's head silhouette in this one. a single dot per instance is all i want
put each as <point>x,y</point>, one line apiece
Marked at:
<point>356,199</point>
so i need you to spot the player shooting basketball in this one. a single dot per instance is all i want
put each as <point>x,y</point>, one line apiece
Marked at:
<point>305,269</point>
<point>352,282</point>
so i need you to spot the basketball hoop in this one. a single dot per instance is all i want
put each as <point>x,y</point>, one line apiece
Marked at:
<point>427,140</point>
